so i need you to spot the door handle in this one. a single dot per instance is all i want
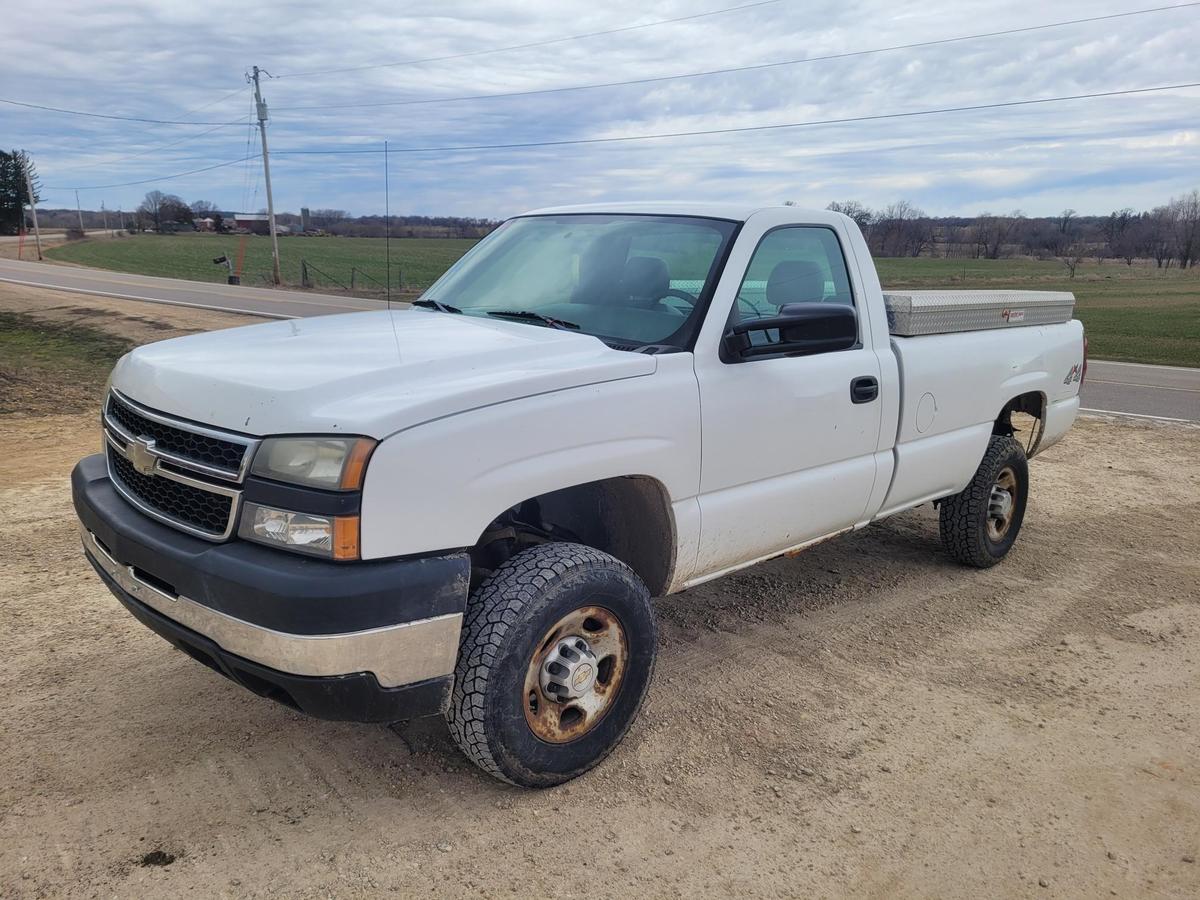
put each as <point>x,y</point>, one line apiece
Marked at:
<point>864,389</point>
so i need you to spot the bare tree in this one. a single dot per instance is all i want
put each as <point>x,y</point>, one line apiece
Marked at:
<point>151,208</point>
<point>173,210</point>
<point>1072,256</point>
<point>900,229</point>
<point>329,216</point>
<point>1158,236</point>
<point>1119,232</point>
<point>993,233</point>
<point>1185,228</point>
<point>862,215</point>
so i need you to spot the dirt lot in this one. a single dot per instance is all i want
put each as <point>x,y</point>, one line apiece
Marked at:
<point>867,719</point>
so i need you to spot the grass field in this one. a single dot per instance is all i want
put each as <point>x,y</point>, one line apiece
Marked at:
<point>1135,314</point>
<point>1132,314</point>
<point>416,262</point>
<point>75,359</point>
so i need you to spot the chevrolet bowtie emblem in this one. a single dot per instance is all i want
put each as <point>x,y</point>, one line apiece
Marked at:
<point>141,455</point>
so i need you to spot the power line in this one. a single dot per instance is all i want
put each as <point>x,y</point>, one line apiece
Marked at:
<point>532,44</point>
<point>222,98</point>
<point>151,149</point>
<point>246,171</point>
<point>746,68</point>
<point>749,128</point>
<point>100,187</point>
<point>92,115</point>
<point>659,136</point>
<point>163,146</point>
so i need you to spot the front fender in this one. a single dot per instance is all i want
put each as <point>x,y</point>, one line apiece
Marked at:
<point>438,485</point>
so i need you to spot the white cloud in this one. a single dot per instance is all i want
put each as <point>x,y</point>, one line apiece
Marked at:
<point>164,58</point>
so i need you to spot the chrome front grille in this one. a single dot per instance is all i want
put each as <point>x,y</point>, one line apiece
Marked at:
<point>194,447</point>
<point>196,507</point>
<point>183,474</point>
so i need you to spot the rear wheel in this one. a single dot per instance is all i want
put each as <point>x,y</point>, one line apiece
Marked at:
<point>557,652</point>
<point>980,524</point>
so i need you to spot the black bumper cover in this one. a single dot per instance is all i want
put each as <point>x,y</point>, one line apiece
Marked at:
<point>280,591</point>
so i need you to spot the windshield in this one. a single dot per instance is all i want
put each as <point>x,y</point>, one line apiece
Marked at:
<point>629,280</point>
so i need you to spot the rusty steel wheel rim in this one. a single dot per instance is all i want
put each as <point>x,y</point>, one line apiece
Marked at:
<point>1001,504</point>
<point>575,674</point>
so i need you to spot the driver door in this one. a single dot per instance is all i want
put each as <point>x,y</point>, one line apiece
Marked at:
<point>788,451</point>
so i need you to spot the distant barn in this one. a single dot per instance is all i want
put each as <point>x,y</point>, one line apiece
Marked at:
<point>255,223</point>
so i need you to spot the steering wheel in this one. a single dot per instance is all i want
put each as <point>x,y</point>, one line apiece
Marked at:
<point>690,299</point>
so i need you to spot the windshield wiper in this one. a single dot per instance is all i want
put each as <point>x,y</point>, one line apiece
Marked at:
<point>436,304</point>
<point>533,316</point>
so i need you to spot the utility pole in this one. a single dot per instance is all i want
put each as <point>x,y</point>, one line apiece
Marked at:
<point>37,234</point>
<point>261,108</point>
<point>104,212</point>
<point>78,210</point>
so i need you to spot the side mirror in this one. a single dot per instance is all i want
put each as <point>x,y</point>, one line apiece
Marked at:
<point>804,328</point>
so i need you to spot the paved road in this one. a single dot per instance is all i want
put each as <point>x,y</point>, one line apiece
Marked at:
<point>259,301</point>
<point>30,239</point>
<point>1163,392</point>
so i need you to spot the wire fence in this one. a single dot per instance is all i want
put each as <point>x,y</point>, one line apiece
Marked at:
<point>359,283</point>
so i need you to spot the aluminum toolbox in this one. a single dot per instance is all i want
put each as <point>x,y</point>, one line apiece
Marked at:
<point>912,313</point>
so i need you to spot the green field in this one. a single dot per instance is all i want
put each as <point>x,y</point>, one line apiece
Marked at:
<point>1133,314</point>
<point>1136,314</point>
<point>416,262</point>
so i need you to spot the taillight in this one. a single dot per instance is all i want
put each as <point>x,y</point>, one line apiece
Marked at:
<point>1083,372</point>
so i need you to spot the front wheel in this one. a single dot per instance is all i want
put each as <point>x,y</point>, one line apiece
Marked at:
<point>980,524</point>
<point>557,651</point>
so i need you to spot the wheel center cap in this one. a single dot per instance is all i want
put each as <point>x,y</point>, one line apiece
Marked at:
<point>1001,503</point>
<point>582,678</point>
<point>569,671</point>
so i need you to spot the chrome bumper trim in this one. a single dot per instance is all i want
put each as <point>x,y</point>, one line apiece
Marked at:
<point>396,655</point>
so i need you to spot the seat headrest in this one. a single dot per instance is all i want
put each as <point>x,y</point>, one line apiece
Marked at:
<point>645,277</point>
<point>795,281</point>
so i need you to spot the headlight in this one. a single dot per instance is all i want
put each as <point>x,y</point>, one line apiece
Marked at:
<point>333,537</point>
<point>332,463</point>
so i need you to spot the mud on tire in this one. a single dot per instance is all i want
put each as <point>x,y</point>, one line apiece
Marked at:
<point>504,631</point>
<point>977,526</point>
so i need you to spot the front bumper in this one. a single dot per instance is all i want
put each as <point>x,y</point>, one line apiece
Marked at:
<point>368,641</point>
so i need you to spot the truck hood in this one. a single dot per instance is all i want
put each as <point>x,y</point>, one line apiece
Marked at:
<point>369,373</point>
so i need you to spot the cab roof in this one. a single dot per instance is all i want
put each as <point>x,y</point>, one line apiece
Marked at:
<point>734,212</point>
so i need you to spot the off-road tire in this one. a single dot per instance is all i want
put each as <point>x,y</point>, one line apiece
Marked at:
<point>963,519</point>
<point>506,617</point>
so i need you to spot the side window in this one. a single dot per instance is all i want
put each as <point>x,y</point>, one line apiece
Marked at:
<point>797,264</point>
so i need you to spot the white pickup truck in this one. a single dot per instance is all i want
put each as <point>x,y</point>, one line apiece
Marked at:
<point>466,506</point>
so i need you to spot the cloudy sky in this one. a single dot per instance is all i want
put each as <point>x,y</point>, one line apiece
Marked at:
<point>183,60</point>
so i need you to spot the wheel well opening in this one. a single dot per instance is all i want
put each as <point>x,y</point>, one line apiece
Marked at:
<point>1023,417</point>
<point>627,517</point>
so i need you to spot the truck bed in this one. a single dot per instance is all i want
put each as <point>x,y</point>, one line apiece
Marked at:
<point>953,387</point>
<point>913,313</point>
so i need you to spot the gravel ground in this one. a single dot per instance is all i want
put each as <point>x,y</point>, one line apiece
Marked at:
<point>866,719</point>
